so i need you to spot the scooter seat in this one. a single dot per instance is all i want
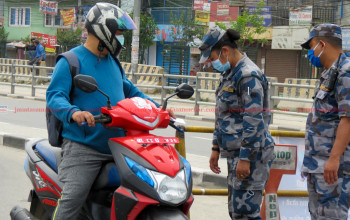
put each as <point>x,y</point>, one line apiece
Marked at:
<point>108,177</point>
<point>52,155</point>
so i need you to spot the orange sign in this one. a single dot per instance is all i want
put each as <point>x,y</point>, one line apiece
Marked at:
<point>68,16</point>
<point>285,162</point>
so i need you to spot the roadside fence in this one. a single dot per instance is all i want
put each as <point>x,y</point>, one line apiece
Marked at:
<point>203,83</point>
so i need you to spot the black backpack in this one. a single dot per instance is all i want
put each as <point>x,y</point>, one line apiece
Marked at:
<point>54,125</point>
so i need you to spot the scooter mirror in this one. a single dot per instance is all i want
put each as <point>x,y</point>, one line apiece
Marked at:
<point>184,91</point>
<point>85,83</point>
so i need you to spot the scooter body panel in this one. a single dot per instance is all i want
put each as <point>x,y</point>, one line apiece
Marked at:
<point>161,155</point>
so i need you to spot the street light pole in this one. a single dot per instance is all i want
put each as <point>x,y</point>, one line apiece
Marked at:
<point>79,13</point>
<point>135,40</point>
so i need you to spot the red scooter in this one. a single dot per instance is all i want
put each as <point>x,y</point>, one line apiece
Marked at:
<point>147,180</point>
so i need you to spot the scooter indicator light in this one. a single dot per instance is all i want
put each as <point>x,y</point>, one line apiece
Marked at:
<point>140,171</point>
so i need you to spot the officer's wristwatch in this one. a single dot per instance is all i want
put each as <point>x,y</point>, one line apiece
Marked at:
<point>215,149</point>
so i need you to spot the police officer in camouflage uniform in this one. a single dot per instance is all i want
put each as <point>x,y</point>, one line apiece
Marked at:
<point>241,126</point>
<point>327,151</point>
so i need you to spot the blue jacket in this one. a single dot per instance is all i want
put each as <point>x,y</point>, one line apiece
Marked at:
<point>40,50</point>
<point>109,79</point>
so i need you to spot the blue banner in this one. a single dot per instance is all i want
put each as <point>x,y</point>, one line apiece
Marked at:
<point>168,33</point>
<point>266,14</point>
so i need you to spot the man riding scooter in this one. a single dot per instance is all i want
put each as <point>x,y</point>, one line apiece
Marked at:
<point>85,148</point>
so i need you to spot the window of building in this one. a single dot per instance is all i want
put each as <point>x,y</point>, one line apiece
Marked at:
<point>54,20</point>
<point>19,17</point>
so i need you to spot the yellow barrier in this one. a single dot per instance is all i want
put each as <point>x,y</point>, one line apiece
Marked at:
<point>181,148</point>
<point>278,133</point>
<point>224,192</point>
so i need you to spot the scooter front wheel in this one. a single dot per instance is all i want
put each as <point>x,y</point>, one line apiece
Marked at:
<point>38,210</point>
<point>161,212</point>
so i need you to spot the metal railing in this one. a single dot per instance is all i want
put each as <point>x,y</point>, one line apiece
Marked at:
<point>274,87</point>
<point>181,148</point>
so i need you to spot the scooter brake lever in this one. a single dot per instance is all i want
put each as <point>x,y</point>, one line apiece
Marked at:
<point>171,123</point>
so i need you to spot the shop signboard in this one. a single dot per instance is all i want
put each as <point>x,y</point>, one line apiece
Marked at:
<point>48,41</point>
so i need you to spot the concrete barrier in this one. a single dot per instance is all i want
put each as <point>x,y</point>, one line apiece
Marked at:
<point>208,84</point>
<point>145,80</point>
<point>295,92</point>
<point>19,70</point>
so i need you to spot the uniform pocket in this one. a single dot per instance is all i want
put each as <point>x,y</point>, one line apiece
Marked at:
<point>346,166</point>
<point>259,174</point>
<point>268,154</point>
<point>326,106</point>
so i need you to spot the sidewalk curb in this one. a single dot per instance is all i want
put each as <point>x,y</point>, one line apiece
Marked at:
<point>23,97</point>
<point>200,176</point>
<point>195,117</point>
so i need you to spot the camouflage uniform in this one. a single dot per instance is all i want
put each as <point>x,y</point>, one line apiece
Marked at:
<point>327,201</point>
<point>241,131</point>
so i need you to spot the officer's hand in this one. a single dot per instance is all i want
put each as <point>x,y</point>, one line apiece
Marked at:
<point>213,161</point>
<point>243,169</point>
<point>81,116</point>
<point>331,171</point>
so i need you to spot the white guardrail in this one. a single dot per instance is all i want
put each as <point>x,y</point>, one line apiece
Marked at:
<point>274,86</point>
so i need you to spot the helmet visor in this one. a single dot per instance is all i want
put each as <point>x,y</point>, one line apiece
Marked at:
<point>126,23</point>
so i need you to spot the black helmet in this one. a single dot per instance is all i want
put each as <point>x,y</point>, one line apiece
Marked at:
<point>103,20</point>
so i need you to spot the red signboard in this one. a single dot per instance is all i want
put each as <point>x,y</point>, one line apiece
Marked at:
<point>48,7</point>
<point>221,11</point>
<point>198,5</point>
<point>48,41</point>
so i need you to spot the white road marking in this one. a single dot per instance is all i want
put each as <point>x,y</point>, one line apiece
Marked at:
<point>208,139</point>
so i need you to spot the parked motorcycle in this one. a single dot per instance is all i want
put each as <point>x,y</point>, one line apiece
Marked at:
<point>147,180</point>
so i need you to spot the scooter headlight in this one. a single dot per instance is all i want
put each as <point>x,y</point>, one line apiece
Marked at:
<point>173,190</point>
<point>140,171</point>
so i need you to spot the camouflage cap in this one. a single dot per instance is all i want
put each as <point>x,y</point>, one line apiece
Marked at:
<point>323,30</point>
<point>210,39</point>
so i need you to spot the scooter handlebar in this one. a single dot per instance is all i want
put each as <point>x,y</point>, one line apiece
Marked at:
<point>172,124</point>
<point>102,118</point>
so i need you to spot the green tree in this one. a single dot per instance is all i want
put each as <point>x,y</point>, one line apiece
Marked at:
<point>247,32</point>
<point>185,30</point>
<point>147,30</point>
<point>68,38</point>
<point>3,39</point>
<point>3,35</point>
<point>26,39</point>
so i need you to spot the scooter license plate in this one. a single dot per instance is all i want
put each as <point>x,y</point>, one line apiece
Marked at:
<point>157,140</point>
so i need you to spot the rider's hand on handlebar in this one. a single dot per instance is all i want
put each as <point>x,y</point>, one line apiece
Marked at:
<point>82,116</point>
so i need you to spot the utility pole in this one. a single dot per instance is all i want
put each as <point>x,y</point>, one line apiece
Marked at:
<point>79,13</point>
<point>135,40</point>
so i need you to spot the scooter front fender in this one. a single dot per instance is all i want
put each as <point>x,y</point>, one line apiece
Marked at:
<point>162,212</point>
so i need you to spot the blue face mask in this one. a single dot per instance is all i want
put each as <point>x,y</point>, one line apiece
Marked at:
<point>219,66</point>
<point>316,61</point>
<point>120,38</point>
